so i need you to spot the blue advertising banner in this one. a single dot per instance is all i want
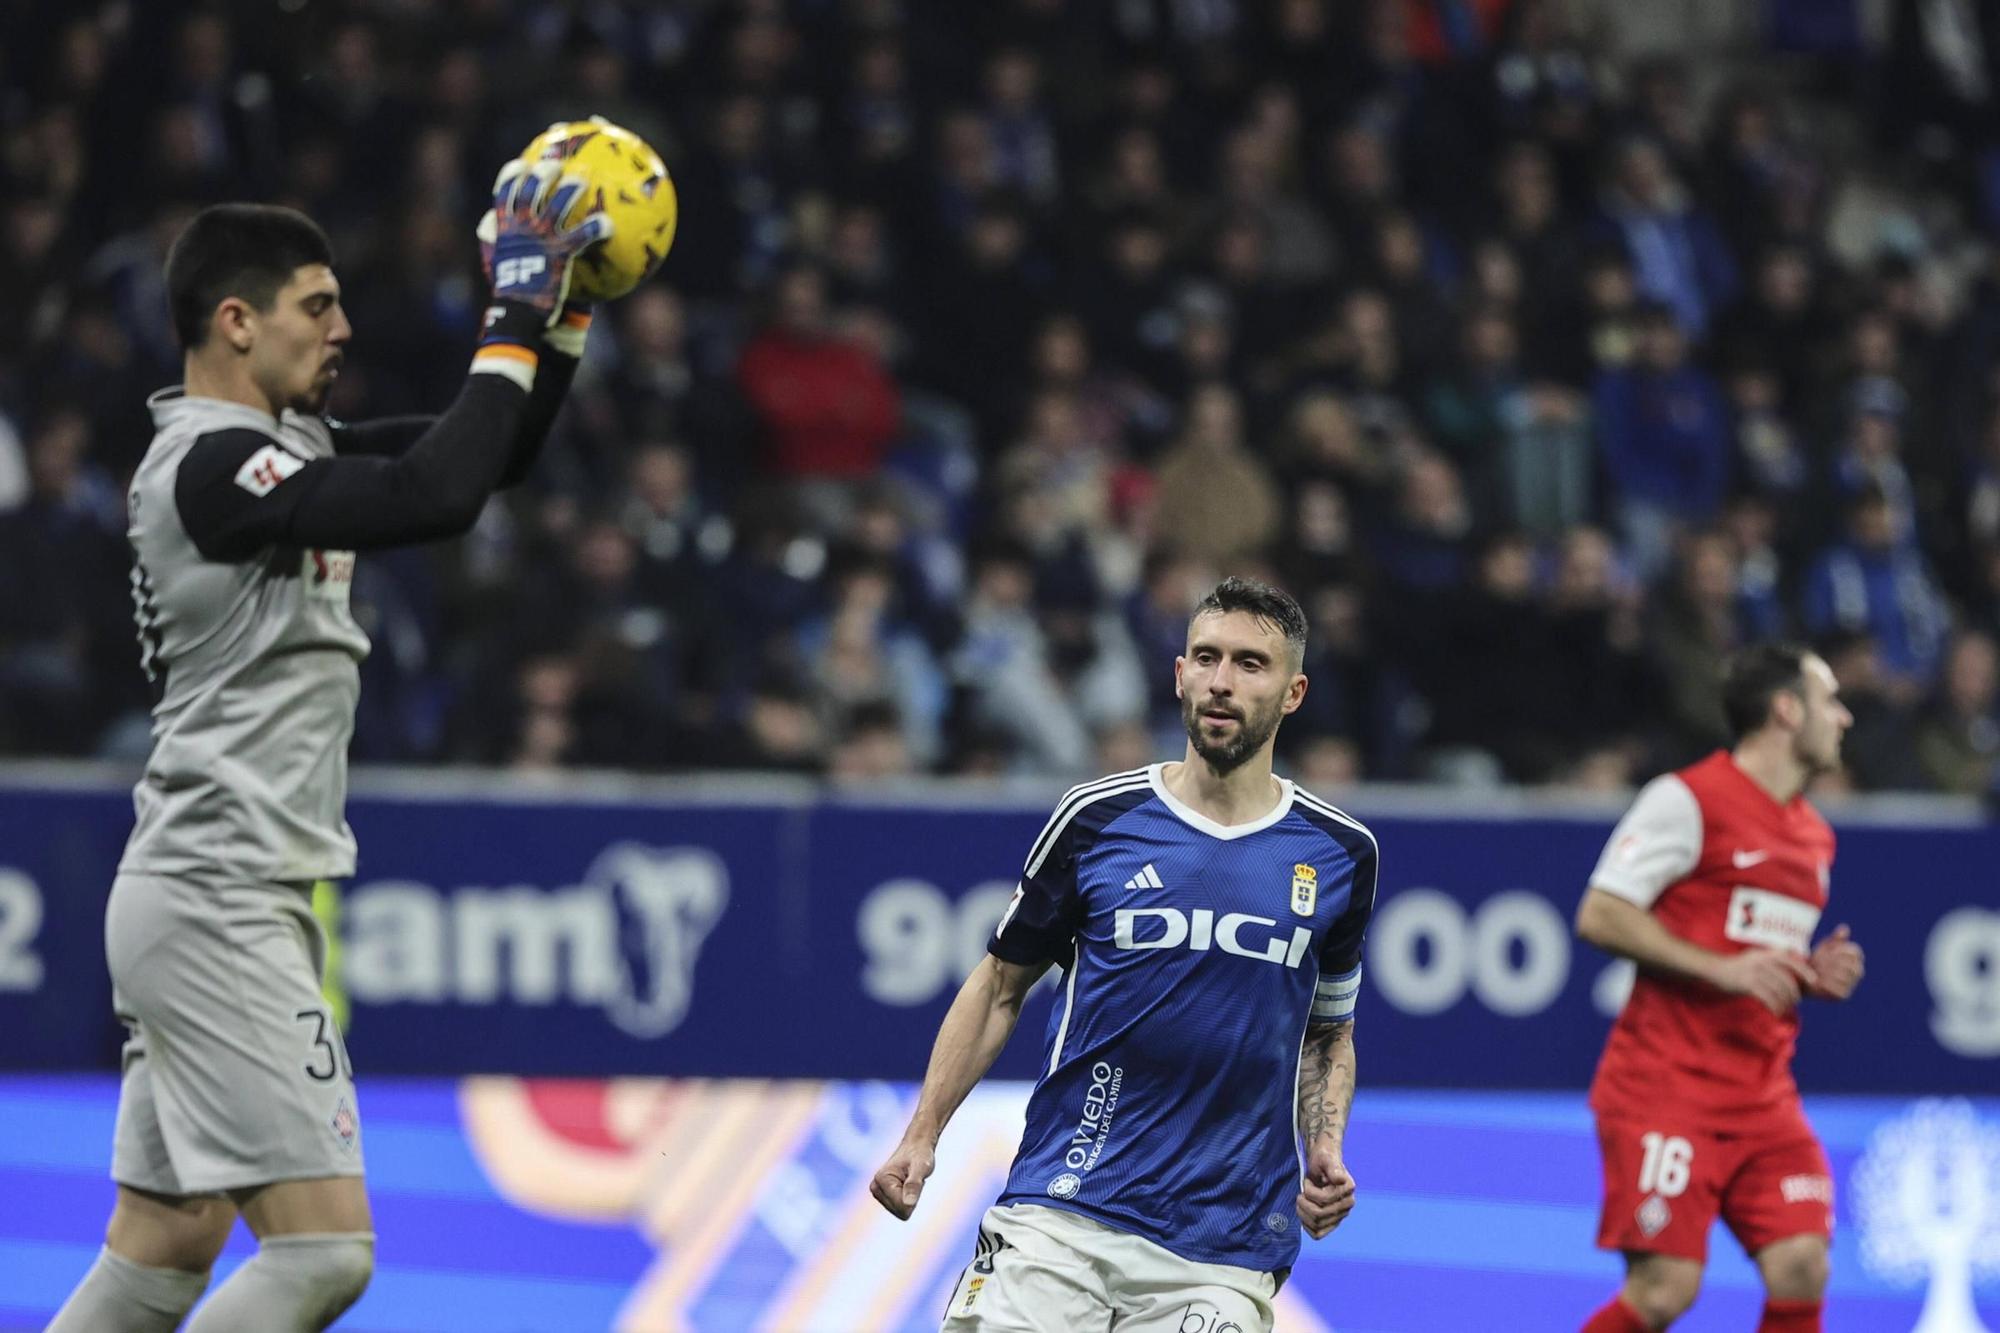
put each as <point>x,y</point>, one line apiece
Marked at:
<point>720,1206</point>
<point>777,930</point>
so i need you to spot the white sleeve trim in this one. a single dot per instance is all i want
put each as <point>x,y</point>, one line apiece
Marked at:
<point>1656,844</point>
<point>1013,906</point>
<point>1333,997</point>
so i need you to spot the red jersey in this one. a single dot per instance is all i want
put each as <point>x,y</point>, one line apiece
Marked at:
<point>1724,866</point>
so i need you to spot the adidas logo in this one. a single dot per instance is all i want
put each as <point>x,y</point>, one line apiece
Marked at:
<point>1148,878</point>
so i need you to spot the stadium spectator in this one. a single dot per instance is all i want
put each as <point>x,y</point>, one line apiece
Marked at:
<point>827,408</point>
<point>1004,668</point>
<point>1875,580</point>
<point>1777,324</point>
<point>1497,720</point>
<point>1422,545</point>
<point>872,748</point>
<point>1217,500</point>
<point>1877,754</point>
<point>1674,247</point>
<point>1958,737</point>
<point>1664,432</point>
<point>1697,624</point>
<point>62,640</point>
<point>659,384</point>
<point>863,660</point>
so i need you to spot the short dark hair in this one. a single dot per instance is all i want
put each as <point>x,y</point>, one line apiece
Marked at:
<point>1274,606</point>
<point>247,251</point>
<point>1755,676</point>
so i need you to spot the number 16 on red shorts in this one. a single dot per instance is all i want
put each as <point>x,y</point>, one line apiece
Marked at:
<point>1666,1182</point>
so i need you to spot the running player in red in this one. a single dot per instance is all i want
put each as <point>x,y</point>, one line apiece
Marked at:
<point>1713,883</point>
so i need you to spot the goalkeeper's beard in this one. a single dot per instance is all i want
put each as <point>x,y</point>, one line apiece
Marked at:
<point>312,401</point>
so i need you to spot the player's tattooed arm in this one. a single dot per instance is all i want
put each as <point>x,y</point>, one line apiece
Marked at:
<point>1326,1082</point>
<point>1326,1091</point>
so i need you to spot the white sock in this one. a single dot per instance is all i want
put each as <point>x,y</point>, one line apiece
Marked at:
<point>293,1284</point>
<point>119,1296</point>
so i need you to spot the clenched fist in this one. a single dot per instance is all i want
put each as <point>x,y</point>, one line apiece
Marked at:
<point>900,1180</point>
<point>1328,1196</point>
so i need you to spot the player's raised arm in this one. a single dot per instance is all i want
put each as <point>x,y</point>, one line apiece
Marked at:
<point>971,1038</point>
<point>561,351</point>
<point>238,492</point>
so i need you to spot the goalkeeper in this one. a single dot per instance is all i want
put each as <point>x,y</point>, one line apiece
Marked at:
<point>237,1097</point>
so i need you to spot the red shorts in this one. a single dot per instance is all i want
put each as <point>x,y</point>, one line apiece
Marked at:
<point>1665,1183</point>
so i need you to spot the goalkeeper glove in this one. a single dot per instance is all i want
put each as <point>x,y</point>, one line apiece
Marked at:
<point>533,248</point>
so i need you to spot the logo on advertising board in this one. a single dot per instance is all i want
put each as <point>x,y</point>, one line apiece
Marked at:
<point>1927,1197</point>
<point>626,939</point>
<point>1962,969</point>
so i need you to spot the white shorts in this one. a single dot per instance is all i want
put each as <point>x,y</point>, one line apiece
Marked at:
<point>235,1074</point>
<point>1044,1270</point>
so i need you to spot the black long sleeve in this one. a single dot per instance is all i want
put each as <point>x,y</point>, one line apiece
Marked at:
<point>384,437</point>
<point>239,490</point>
<point>390,437</point>
<point>552,381</point>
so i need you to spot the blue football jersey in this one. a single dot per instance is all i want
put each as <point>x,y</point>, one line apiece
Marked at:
<point>1195,953</point>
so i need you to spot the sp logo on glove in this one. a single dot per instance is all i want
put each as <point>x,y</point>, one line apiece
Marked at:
<point>522,272</point>
<point>534,243</point>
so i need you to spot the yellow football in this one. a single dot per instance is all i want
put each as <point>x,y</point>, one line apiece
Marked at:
<point>630,183</point>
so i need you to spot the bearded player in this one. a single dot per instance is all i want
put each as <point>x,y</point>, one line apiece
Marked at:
<point>1194,1095</point>
<point>237,1097</point>
<point>1713,883</point>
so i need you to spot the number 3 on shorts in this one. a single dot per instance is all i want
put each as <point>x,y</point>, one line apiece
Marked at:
<point>329,1052</point>
<point>1664,1169</point>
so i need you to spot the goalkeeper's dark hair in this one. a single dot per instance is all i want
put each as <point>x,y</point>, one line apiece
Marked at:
<point>247,251</point>
<point>1755,676</point>
<point>1273,606</point>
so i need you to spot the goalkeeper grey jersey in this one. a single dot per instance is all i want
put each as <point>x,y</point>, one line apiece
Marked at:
<point>253,648</point>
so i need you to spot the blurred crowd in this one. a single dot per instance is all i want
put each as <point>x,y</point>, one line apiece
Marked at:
<point>1547,350</point>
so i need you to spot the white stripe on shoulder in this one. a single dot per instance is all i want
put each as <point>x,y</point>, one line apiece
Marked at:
<point>1081,789</point>
<point>1075,800</point>
<point>1335,813</point>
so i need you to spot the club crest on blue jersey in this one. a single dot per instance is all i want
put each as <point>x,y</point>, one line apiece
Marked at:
<point>1305,889</point>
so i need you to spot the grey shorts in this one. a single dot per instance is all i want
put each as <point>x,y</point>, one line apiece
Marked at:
<point>235,1074</point>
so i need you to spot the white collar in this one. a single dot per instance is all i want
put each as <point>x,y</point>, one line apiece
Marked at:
<point>1201,823</point>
